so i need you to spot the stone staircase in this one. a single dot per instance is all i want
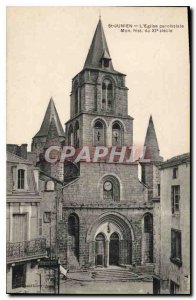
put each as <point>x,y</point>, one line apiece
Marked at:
<point>119,274</point>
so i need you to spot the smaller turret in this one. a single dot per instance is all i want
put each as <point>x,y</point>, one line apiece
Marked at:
<point>150,160</point>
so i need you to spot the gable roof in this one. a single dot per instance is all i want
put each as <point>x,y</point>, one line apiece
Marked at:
<point>175,161</point>
<point>13,158</point>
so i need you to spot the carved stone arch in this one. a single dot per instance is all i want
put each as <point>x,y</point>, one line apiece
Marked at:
<point>118,218</point>
<point>117,128</point>
<point>120,122</point>
<point>108,175</point>
<point>110,188</point>
<point>71,171</point>
<point>111,78</point>
<point>99,127</point>
<point>118,224</point>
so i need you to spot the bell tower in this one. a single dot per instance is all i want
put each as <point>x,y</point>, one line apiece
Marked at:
<point>99,105</point>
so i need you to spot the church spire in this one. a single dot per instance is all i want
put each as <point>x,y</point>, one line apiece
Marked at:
<point>99,55</point>
<point>50,115</point>
<point>151,143</point>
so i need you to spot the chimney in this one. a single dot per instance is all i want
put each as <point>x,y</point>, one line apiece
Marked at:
<point>23,151</point>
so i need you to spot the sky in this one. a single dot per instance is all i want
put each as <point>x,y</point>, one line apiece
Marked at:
<point>47,47</point>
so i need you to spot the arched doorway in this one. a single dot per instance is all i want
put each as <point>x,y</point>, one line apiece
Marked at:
<point>100,250</point>
<point>114,249</point>
<point>116,233</point>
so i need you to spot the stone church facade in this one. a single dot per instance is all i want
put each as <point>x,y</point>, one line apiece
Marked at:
<point>106,211</point>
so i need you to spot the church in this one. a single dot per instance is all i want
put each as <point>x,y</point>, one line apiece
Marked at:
<point>107,215</point>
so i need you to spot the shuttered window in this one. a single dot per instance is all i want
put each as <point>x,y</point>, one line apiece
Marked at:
<point>19,228</point>
<point>175,198</point>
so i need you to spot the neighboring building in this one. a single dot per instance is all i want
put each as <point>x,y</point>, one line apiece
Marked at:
<point>50,192</point>
<point>24,244</point>
<point>175,225</point>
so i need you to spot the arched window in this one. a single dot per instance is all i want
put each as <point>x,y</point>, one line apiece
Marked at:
<point>111,189</point>
<point>107,95</point>
<point>147,224</point>
<point>21,179</point>
<point>76,135</point>
<point>99,133</point>
<point>50,185</point>
<point>70,135</point>
<point>73,233</point>
<point>76,96</point>
<point>147,243</point>
<point>117,134</point>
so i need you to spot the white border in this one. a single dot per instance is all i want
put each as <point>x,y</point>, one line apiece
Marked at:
<point>3,4</point>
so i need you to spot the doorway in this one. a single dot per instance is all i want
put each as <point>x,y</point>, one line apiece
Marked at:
<point>114,249</point>
<point>100,250</point>
<point>18,276</point>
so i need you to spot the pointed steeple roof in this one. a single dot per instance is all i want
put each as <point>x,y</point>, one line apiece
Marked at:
<point>98,49</point>
<point>51,115</point>
<point>151,143</point>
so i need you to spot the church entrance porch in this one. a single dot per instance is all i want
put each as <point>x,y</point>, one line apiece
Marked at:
<point>104,255</point>
<point>110,242</point>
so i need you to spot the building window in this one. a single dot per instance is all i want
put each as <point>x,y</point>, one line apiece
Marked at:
<point>76,135</point>
<point>47,217</point>
<point>176,256</point>
<point>106,63</point>
<point>111,189</point>
<point>70,136</point>
<point>19,227</point>
<point>158,190</point>
<point>117,134</point>
<point>21,179</point>
<point>99,133</point>
<point>175,173</point>
<point>107,95</point>
<point>175,198</point>
<point>50,185</point>
<point>76,101</point>
<point>147,239</point>
<point>174,288</point>
<point>148,224</point>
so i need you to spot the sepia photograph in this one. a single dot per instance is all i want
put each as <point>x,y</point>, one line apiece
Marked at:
<point>98,150</point>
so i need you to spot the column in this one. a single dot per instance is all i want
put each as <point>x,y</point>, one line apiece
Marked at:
<point>106,253</point>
